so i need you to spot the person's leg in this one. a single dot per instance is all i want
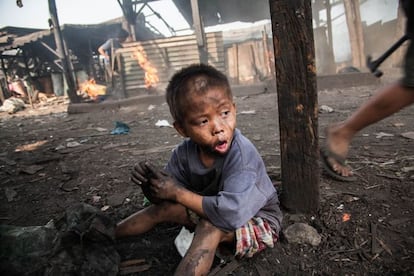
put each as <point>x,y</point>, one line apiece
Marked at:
<point>385,103</point>
<point>200,256</point>
<point>145,219</point>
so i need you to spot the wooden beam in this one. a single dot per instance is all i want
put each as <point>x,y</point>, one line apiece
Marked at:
<point>297,103</point>
<point>199,31</point>
<point>356,37</point>
<point>67,72</point>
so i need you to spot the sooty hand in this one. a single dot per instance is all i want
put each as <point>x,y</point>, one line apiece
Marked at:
<point>162,185</point>
<point>141,176</point>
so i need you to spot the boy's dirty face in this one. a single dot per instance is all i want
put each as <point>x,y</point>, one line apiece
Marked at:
<point>210,120</point>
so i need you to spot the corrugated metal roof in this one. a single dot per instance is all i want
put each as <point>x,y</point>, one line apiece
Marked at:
<point>215,12</point>
<point>17,42</point>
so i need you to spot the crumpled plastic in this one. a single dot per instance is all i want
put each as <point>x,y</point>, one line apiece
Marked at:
<point>120,128</point>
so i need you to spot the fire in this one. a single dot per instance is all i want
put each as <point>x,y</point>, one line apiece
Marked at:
<point>151,77</point>
<point>93,89</point>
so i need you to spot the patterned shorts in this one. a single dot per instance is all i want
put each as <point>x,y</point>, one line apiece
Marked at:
<point>251,238</point>
<point>254,237</point>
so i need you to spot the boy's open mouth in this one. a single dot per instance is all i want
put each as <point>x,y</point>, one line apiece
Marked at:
<point>221,146</point>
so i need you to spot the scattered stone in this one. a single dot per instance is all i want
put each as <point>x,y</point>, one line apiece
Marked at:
<point>32,169</point>
<point>116,199</point>
<point>10,194</point>
<point>302,233</point>
<point>349,198</point>
<point>60,147</point>
<point>73,144</point>
<point>325,109</point>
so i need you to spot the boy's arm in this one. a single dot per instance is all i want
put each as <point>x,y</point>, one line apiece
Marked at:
<point>190,200</point>
<point>163,186</point>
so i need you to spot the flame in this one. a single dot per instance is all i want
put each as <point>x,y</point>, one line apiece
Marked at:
<point>151,77</point>
<point>93,89</point>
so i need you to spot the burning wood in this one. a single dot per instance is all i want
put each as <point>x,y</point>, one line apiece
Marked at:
<point>151,77</point>
<point>93,89</point>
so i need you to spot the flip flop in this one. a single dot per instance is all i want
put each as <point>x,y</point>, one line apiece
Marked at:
<point>325,154</point>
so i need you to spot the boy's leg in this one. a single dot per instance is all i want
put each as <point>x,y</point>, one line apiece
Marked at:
<point>145,219</point>
<point>200,255</point>
<point>385,103</point>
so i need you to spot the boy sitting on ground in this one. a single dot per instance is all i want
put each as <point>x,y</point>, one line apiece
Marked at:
<point>215,182</point>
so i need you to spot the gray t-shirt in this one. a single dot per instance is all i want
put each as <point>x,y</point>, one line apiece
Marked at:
<point>235,189</point>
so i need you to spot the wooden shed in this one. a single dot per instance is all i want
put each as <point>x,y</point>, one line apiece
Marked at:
<point>163,57</point>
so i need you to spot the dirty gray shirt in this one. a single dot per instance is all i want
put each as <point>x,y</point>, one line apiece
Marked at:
<point>234,190</point>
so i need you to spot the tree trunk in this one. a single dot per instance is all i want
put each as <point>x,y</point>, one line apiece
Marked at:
<point>356,36</point>
<point>297,103</point>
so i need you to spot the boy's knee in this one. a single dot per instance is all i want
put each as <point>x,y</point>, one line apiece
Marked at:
<point>207,227</point>
<point>206,224</point>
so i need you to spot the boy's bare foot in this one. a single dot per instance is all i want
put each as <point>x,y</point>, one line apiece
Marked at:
<point>334,154</point>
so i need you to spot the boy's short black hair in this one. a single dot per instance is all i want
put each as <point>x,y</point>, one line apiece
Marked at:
<point>194,78</point>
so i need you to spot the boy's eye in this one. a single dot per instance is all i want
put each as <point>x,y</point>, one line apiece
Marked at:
<point>225,113</point>
<point>203,122</point>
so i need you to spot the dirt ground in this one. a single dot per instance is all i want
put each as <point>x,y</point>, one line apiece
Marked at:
<point>51,160</point>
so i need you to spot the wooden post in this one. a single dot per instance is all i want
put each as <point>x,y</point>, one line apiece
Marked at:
<point>3,68</point>
<point>236,62</point>
<point>29,79</point>
<point>120,66</point>
<point>199,31</point>
<point>356,37</point>
<point>67,72</point>
<point>297,103</point>
<point>398,56</point>
<point>265,54</point>
<point>329,22</point>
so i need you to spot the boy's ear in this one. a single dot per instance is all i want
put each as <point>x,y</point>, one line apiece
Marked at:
<point>180,129</point>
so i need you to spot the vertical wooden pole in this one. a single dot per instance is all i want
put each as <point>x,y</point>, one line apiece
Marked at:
<point>329,22</point>
<point>266,54</point>
<point>3,68</point>
<point>199,31</point>
<point>67,72</point>
<point>356,37</point>
<point>29,80</point>
<point>120,65</point>
<point>398,56</point>
<point>297,103</point>
<point>236,62</point>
